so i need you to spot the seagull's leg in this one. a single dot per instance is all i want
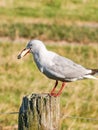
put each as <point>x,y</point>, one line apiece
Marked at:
<point>52,91</point>
<point>60,91</point>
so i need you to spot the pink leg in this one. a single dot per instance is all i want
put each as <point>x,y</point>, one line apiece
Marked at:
<point>52,91</point>
<point>60,91</point>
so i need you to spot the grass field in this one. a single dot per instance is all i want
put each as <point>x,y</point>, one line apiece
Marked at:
<point>70,20</point>
<point>81,10</point>
<point>21,77</point>
<point>54,32</point>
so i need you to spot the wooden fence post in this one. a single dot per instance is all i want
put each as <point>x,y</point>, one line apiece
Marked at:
<point>39,112</point>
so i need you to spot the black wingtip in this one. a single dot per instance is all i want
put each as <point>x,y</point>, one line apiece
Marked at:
<point>94,71</point>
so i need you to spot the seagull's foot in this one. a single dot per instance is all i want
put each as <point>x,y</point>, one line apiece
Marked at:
<point>54,94</point>
<point>59,92</point>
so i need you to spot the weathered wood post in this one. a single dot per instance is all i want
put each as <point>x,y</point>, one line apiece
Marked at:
<point>39,112</point>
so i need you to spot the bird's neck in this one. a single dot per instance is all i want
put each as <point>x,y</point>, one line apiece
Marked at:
<point>39,57</point>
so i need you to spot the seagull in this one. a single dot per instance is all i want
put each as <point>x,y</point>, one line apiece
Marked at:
<point>56,67</point>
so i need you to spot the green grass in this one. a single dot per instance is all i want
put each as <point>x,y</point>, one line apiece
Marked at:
<point>55,32</point>
<point>68,10</point>
<point>73,21</point>
<point>21,77</point>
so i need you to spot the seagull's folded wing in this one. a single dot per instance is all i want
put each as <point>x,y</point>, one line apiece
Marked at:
<point>65,70</point>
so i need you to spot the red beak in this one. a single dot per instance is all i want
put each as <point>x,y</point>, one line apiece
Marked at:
<point>23,53</point>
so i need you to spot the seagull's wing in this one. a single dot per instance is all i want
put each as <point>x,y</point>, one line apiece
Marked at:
<point>65,70</point>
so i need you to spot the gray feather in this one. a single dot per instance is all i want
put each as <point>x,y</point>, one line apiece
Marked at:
<point>64,69</point>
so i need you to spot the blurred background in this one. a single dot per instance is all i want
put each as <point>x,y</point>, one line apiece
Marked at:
<point>68,27</point>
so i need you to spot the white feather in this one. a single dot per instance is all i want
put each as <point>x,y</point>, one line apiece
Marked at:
<point>90,77</point>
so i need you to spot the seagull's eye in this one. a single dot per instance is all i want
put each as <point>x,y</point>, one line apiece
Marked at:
<point>30,46</point>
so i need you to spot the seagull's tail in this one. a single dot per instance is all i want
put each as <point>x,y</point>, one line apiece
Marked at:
<point>94,72</point>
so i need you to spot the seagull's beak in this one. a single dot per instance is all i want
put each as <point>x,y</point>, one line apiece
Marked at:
<point>23,53</point>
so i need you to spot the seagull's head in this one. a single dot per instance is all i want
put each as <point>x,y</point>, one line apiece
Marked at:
<point>33,46</point>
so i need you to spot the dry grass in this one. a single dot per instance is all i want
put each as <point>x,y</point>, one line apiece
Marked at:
<point>21,77</point>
